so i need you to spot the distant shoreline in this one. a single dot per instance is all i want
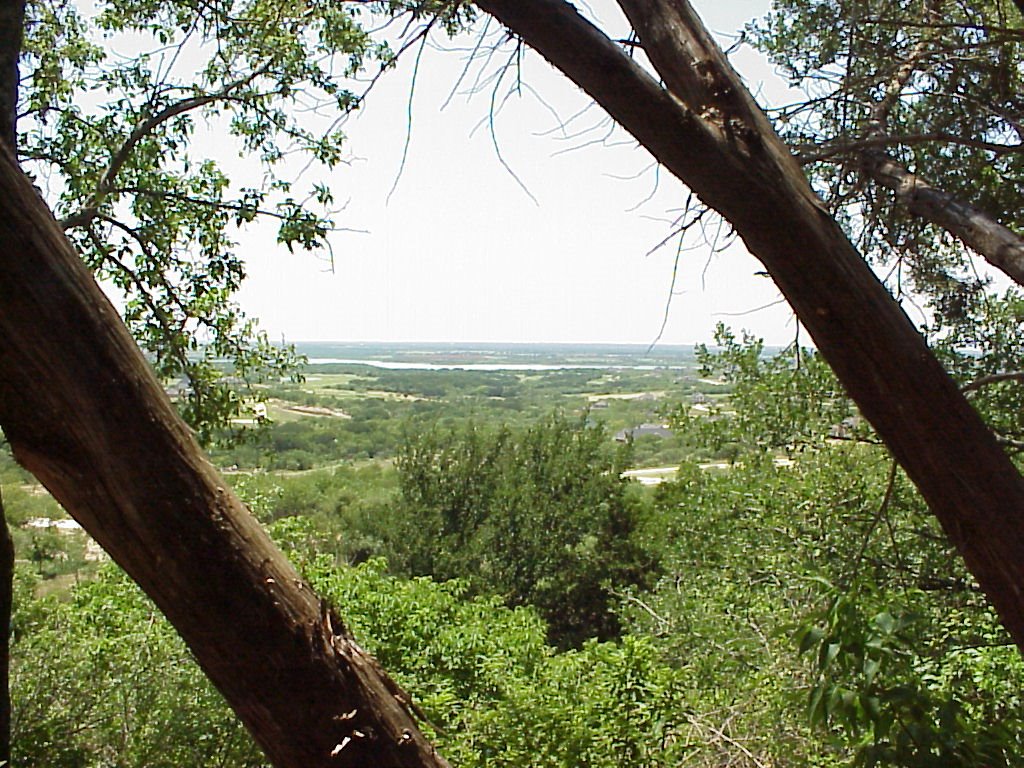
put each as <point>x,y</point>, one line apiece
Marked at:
<point>477,356</point>
<point>397,365</point>
<point>447,355</point>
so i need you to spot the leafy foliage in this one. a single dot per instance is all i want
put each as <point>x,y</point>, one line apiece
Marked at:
<point>783,402</point>
<point>540,516</point>
<point>902,703</point>
<point>935,85</point>
<point>837,550</point>
<point>114,139</point>
<point>494,692</point>
<point>713,582</point>
<point>103,680</point>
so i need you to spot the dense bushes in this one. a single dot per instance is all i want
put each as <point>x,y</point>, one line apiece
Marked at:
<point>799,612</point>
<point>103,679</point>
<point>538,515</point>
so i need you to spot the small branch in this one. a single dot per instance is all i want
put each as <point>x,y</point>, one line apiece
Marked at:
<point>879,514</point>
<point>213,204</point>
<point>122,155</point>
<point>994,378</point>
<point>144,129</point>
<point>810,154</point>
<point>159,275</point>
<point>80,218</point>
<point>721,734</point>
<point>956,26</point>
<point>422,36</point>
<point>180,354</point>
<point>1009,442</point>
<point>663,623</point>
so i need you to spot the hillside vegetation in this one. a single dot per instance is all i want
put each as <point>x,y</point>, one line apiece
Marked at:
<point>783,599</point>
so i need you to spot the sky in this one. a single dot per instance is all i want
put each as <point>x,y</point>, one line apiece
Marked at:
<point>459,251</point>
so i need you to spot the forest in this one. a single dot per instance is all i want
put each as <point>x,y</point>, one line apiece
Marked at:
<point>220,551</point>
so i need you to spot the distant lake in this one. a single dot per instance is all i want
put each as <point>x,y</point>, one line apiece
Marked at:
<point>498,357</point>
<point>424,366</point>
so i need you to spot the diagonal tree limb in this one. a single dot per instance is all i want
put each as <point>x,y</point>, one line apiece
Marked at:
<point>83,411</point>
<point>707,130</point>
<point>105,185</point>
<point>843,148</point>
<point>992,378</point>
<point>999,245</point>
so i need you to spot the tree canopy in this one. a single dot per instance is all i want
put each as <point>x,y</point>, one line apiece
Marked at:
<point>113,114</point>
<point>910,129</point>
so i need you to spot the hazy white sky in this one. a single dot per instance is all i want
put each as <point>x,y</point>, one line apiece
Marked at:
<point>462,253</point>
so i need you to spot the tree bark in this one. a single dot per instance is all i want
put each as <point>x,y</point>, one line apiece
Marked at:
<point>83,411</point>
<point>998,245</point>
<point>707,130</point>
<point>12,25</point>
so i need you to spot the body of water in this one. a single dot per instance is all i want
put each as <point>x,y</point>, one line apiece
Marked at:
<point>396,365</point>
<point>498,357</point>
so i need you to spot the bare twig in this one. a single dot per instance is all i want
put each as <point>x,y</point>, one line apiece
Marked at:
<point>993,378</point>
<point>883,507</point>
<point>422,36</point>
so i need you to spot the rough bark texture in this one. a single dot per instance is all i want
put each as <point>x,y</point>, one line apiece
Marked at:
<point>12,24</point>
<point>706,129</point>
<point>83,411</point>
<point>998,245</point>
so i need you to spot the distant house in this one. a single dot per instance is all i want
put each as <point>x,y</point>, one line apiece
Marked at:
<point>642,430</point>
<point>846,429</point>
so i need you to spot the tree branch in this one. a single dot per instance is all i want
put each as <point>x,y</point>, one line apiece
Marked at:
<point>103,438</point>
<point>12,24</point>
<point>999,245</point>
<point>810,153</point>
<point>218,205</point>
<point>180,353</point>
<point>994,378</point>
<point>708,131</point>
<point>117,161</point>
<point>879,115</point>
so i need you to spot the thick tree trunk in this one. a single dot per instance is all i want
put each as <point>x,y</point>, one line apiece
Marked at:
<point>83,411</point>
<point>12,25</point>
<point>706,129</point>
<point>998,245</point>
